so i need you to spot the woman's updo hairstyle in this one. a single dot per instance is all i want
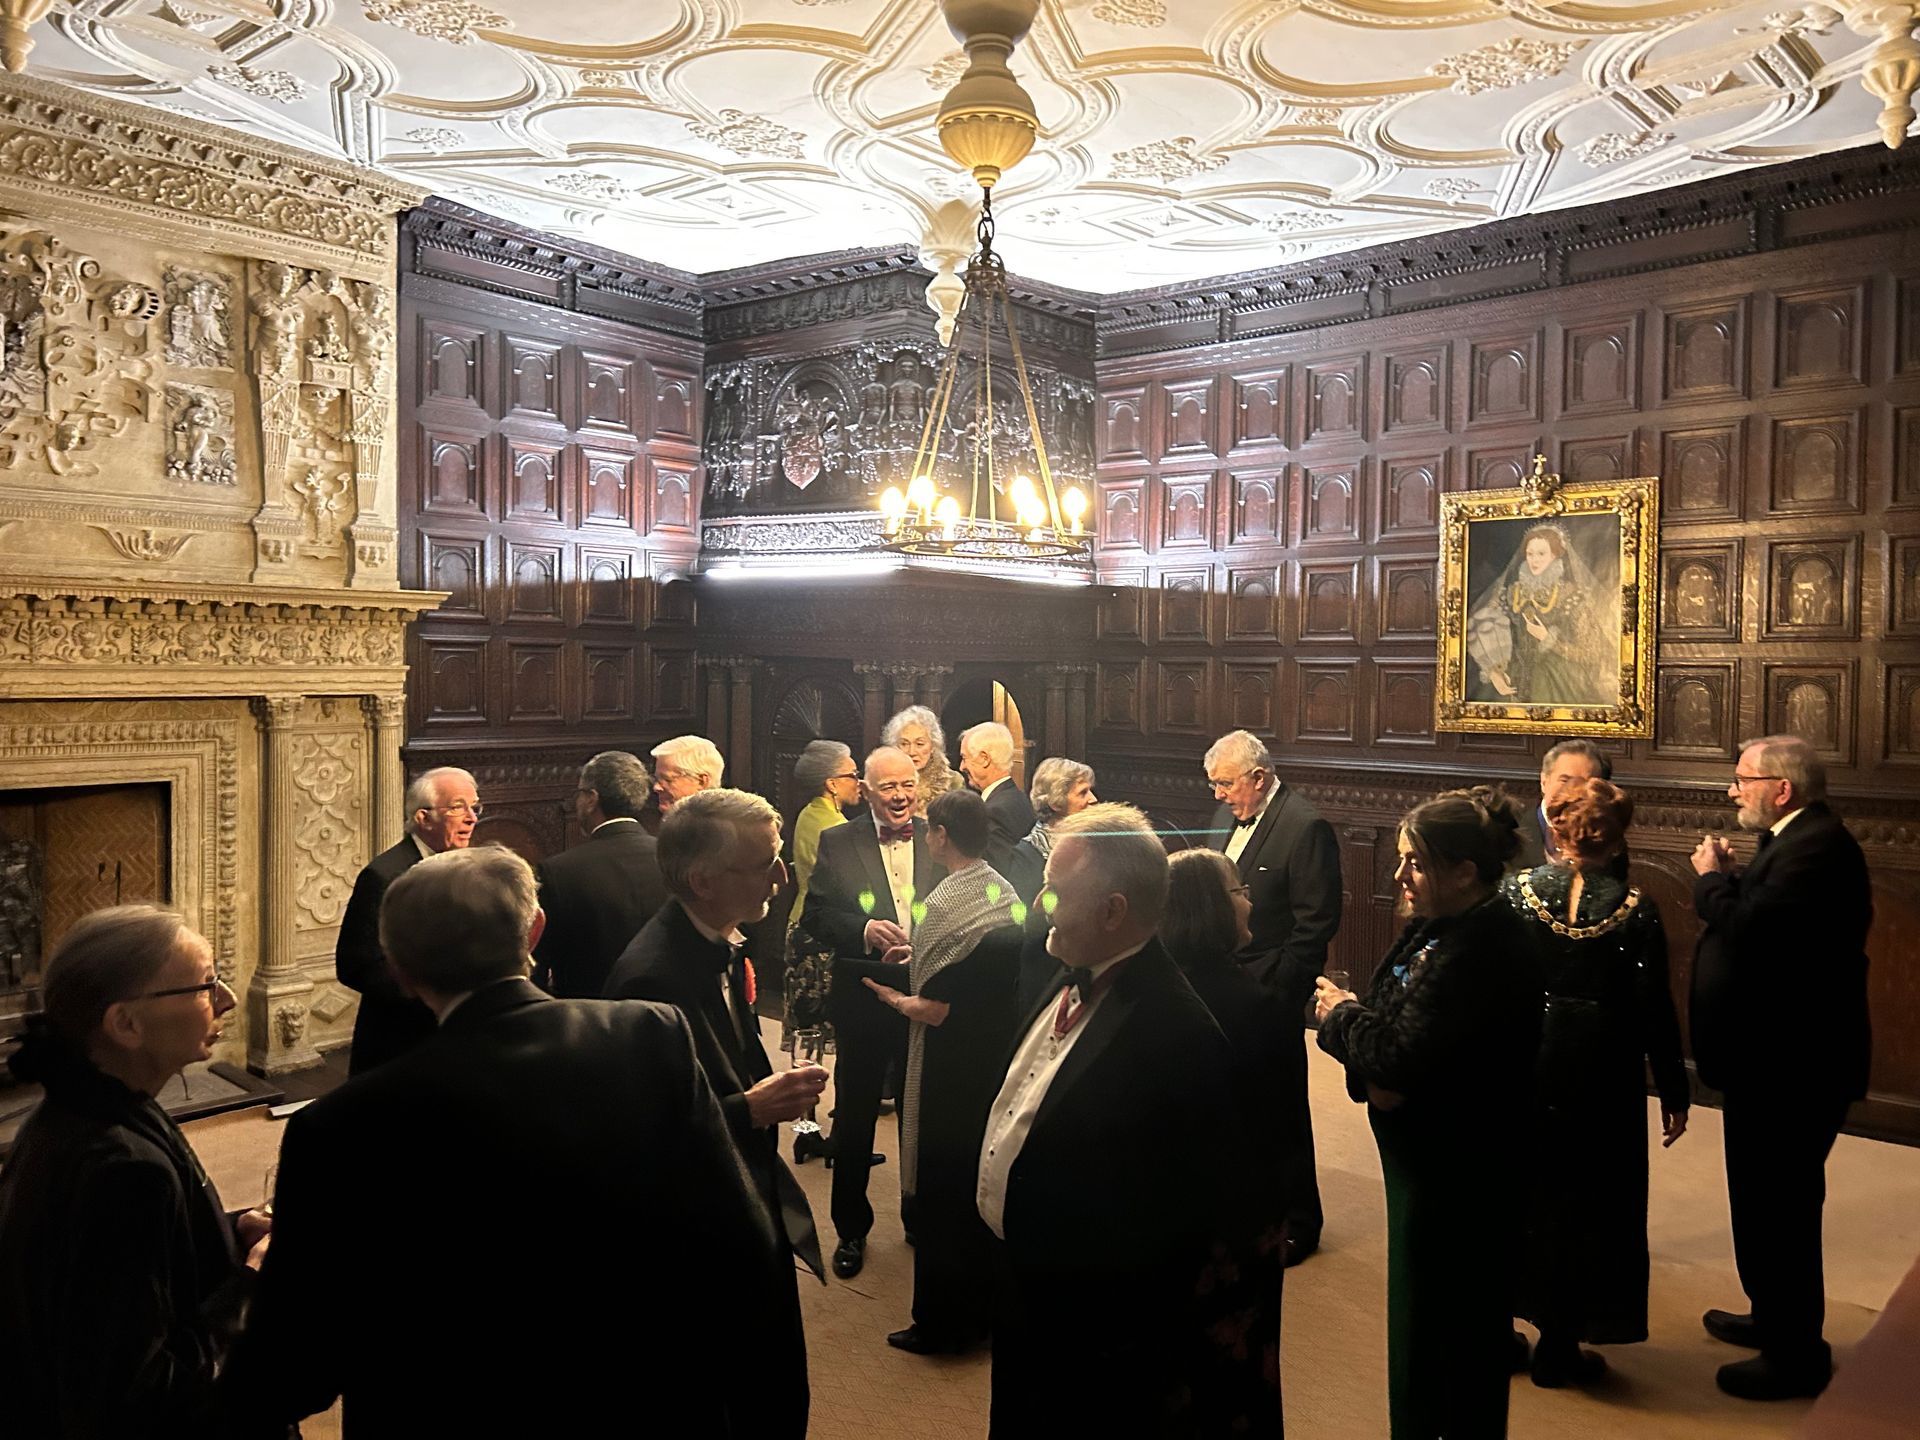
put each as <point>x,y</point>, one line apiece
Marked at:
<point>1480,825</point>
<point>1589,821</point>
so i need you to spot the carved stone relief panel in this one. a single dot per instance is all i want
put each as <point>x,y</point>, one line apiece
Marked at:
<point>1250,695</point>
<point>1183,690</point>
<point>1700,591</point>
<point>607,681</point>
<point>1816,464</point>
<point>453,474</point>
<point>1120,514</point>
<point>1607,457</point>
<point>1122,611</point>
<point>1331,503</point>
<point>456,564</point>
<point>455,692</point>
<point>607,394</point>
<point>1814,702</point>
<point>1329,600</point>
<point>1704,352</point>
<point>1403,702</point>
<point>1404,590</point>
<point>606,587</point>
<point>1417,395</point>
<point>1903,585</point>
<point>1187,418</point>
<point>1117,684</point>
<point>1499,467</point>
<point>1410,487</point>
<point>1326,700</point>
<point>1906,455</point>
<point>1184,604</point>
<point>1902,690</point>
<point>533,480</point>
<point>1695,710</point>
<point>1820,337</point>
<point>1259,507</point>
<point>532,378</point>
<point>199,318</point>
<point>200,436</point>
<point>1601,365</point>
<point>1335,401</point>
<point>1261,402</point>
<point>450,362</point>
<point>534,685</point>
<point>1503,383</point>
<point>1253,603</point>
<point>330,772</point>
<point>1123,428</point>
<point>1186,512</point>
<point>1811,588</point>
<point>671,689</point>
<point>1703,471</point>
<point>534,582</point>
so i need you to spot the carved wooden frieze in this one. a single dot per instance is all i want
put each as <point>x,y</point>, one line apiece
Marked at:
<point>200,435</point>
<point>199,318</point>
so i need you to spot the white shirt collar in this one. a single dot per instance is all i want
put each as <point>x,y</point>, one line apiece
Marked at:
<point>1786,820</point>
<point>616,820</point>
<point>731,937</point>
<point>994,786</point>
<point>427,852</point>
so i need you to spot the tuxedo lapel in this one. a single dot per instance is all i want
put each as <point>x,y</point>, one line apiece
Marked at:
<point>1263,827</point>
<point>691,959</point>
<point>1105,1023</point>
<point>867,843</point>
<point>753,1054</point>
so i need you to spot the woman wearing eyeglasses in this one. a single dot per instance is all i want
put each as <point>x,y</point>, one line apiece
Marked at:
<point>121,1279</point>
<point>1236,1383</point>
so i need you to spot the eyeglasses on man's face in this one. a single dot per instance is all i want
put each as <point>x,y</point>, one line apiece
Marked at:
<point>212,989</point>
<point>1220,787</point>
<point>459,807</point>
<point>1739,779</point>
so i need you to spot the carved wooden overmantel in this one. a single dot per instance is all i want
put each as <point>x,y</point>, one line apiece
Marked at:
<point>197,520</point>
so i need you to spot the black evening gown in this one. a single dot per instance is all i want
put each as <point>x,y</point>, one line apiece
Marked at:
<point>1608,1012</point>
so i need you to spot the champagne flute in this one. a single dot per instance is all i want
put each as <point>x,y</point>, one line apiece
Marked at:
<point>266,1189</point>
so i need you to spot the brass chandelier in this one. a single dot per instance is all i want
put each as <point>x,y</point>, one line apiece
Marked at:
<point>987,123</point>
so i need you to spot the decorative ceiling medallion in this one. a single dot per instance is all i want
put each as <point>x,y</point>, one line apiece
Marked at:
<point>1313,115</point>
<point>1506,63</point>
<point>1147,14</point>
<point>1451,188</point>
<point>455,21</point>
<point>1165,160</point>
<point>281,85</point>
<point>1618,145</point>
<point>942,74</point>
<point>437,138</point>
<point>746,134</point>
<point>607,189</point>
<point>606,80</point>
<point>1292,222</point>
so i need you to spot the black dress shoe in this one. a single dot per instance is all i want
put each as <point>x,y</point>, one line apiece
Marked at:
<point>849,1257</point>
<point>1557,1366</point>
<point>1763,1379</point>
<point>915,1342</point>
<point>1733,1329</point>
<point>1298,1250</point>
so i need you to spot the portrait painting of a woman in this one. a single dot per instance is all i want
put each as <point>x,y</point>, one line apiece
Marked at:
<point>1545,631</point>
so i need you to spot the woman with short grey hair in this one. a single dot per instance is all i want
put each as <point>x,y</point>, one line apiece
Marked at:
<point>826,775</point>
<point>916,732</point>
<point>1060,788</point>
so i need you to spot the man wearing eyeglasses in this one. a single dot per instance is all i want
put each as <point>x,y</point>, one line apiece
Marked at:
<point>443,806</point>
<point>1780,1028</point>
<point>1286,855</point>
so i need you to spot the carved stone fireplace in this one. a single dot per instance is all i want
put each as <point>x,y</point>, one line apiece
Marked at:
<point>197,568</point>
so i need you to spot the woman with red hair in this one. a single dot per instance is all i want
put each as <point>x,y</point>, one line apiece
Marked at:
<point>1609,1012</point>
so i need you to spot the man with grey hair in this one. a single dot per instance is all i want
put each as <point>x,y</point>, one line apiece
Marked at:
<point>1105,1154</point>
<point>683,766</point>
<point>1780,1028</point>
<point>492,1180</point>
<point>1288,860</point>
<point>443,807</point>
<point>986,755</point>
<point>720,855</point>
<point>598,894</point>
<point>1563,766</point>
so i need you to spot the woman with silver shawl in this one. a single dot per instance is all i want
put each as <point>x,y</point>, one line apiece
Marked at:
<point>964,957</point>
<point>1544,632</point>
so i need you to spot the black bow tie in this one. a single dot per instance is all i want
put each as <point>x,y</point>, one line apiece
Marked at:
<point>724,956</point>
<point>1767,837</point>
<point>1246,824</point>
<point>1079,979</point>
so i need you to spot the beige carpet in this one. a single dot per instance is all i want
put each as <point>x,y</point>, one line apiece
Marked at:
<point>1335,1337</point>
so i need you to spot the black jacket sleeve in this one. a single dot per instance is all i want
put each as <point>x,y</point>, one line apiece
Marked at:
<point>1659,1020</point>
<point>357,957</point>
<point>833,915</point>
<point>1313,890</point>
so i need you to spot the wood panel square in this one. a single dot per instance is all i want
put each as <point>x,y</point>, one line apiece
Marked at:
<point>456,564</point>
<point>1250,696</point>
<point>1253,603</point>
<point>1404,590</point>
<point>1122,521</point>
<point>605,585</point>
<point>1703,472</point>
<point>1331,502</point>
<point>1812,588</point>
<point>607,394</point>
<point>1418,390</point>
<point>1814,702</point>
<point>1499,467</point>
<point>1261,401</point>
<point>454,673</point>
<point>451,356</point>
<point>533,581</point>
<point>1329,601</point>
<point>1815,464</point>
<point>673,601</point>
<point>1183,694</point>
<point>1820,337</point>
<point>670,684</point>
<point>531,382</point>
<point>1117,696</point>
<point>1326,700</point>
<point>1503,380</point>
<point>1188,419</point>
<point>1700,591</point>
<point>1902,689</point>
<point>1704,352</point>
<point>1186,512</point>
<point>1184,604</point>
<point>1604,457</point>
<point>1903,585</point>
<point>1601,367</point>
<point>1907,346</point>
<point>1906,455</point>
<point>1403,702</point>
<point>1123,424</point>
<point>1259,507</point>
<point>533,481</point>
<point>1696,708</point>
<point>1121,613</point>
<point>1335,401</point>
<point>454,469</point>
<point>606,683</point>
<point>675,404</point>
<point>536,684</point>
<point>1410,487</point>
<point>607,497</point>
<point>671,496</point>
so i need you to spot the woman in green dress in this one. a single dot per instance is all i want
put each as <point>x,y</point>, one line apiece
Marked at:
<point>1441,1051</point>
<point>824,772</point>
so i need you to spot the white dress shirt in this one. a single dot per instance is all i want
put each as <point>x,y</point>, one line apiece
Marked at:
<point>1243,834</point>
<point>897,857</point>
<point>1037,1061</point>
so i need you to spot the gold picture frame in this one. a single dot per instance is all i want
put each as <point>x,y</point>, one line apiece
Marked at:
<point>1547,596</point>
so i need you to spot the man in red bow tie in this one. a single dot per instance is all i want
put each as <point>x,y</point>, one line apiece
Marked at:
<point>861,901</point>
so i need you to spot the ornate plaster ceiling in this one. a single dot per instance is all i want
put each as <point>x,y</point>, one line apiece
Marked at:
<point>1182,138</point>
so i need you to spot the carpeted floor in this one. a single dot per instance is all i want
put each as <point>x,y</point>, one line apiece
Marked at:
<point>1335,1337</point>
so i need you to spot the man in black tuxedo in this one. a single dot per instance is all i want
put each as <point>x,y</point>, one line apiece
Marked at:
<point>1561,767</point>
<point>443,806</point>
<point>1103,1167</point>
<point>532,1221</point>
<point>986,756</point>
<point>1288,860</point>
<point>1780,1028</point>
<point>869,874</point>
<point>720,853</point>
<point>596,896</point>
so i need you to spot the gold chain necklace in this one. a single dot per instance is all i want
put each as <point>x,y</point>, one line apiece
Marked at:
<point>1578,932</point>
